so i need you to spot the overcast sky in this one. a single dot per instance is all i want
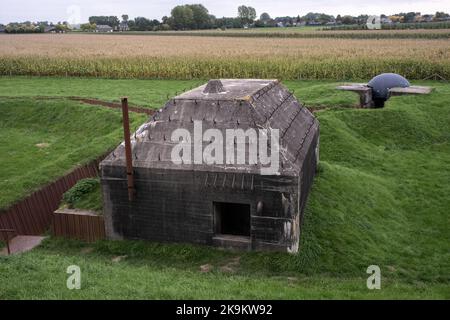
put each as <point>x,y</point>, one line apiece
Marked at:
<point>73,10</point>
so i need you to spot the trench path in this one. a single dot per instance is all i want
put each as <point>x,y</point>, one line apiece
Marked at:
<point>137,109</point>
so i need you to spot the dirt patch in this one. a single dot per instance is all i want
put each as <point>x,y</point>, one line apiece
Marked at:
<point>112,105</point>
<point>206,268</point>
<point>43,145</point>
<point>93,102</point>
<point>391,268</point>
<point>118,258</point>
<point>231,266</point>
<point>292,281</point>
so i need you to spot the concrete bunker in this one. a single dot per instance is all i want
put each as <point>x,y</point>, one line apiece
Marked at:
<point>230,204</point>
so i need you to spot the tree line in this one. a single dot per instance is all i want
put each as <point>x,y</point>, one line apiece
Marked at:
<point>182,17</point>
<point>197,17</point>
<point>36,27</point>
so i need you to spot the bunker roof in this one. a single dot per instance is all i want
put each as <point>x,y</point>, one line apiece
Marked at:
<point>226,104</point>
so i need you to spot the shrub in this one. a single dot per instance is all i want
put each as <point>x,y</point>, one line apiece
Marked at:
<point>81,188</point>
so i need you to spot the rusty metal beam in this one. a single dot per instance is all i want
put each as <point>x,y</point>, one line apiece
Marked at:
<point>129,160</point>
<point>7,231</point>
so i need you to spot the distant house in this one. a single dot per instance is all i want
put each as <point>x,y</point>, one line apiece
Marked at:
<point>386,21</point>
<point>49,29</point>
<point>103,28</point>
<point>123,26</point>
<point>2,28</point>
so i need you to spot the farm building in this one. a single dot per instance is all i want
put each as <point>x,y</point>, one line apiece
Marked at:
<point>103,28</point>
<point>222,204</point>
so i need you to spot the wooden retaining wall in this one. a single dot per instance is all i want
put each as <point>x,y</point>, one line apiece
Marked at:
<point>33,215</point>
<point>75,224</point>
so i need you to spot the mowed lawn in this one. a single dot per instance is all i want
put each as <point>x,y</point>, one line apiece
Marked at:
<point>146,93</point>
<point>41,140</point>
<point>380,198</point>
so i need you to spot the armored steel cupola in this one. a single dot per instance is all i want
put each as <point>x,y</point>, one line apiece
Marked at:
<point>382,83</point>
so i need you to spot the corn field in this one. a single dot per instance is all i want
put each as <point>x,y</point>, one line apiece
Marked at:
<point>299,33</point>
<point>185,57</point>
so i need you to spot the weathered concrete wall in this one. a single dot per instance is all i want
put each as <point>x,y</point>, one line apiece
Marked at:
<point>177,206</point>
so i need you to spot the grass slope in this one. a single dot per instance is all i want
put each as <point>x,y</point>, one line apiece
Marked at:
<point>148,93</point>
<point>41,140</point>
<point>380,198</point>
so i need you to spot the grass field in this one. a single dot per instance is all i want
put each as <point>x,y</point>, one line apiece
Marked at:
<point>381,197</point>
<point>152,271</point>
<point>146,93</point>
<point>41,140</point>
<point>191,57</point>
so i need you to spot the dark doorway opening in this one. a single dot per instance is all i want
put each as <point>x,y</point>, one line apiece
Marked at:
<point>232,218</point>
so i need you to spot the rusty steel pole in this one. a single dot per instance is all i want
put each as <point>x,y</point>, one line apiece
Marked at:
<point>129,160</point>
<point>7,231</point>
<point>7,244</point>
